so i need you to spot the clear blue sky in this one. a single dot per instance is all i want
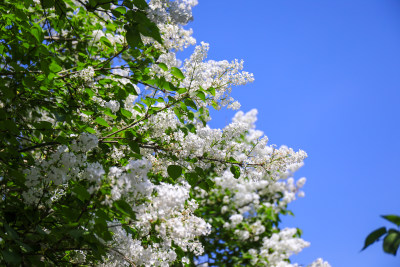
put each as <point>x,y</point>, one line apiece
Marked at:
<point>327,80</point>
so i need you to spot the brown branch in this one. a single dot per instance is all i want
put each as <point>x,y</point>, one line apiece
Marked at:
<point>19,72</point>
<point>111,58</point>
<point>123,256</point>
<point>59,38</point>
<point>241,164</point>
<point>38,146</point>
<point>151,86</point>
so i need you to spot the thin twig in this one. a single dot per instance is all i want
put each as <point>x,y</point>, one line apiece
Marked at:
<point>142,119</point>
<point>59,38</point>
<point>123,256</point>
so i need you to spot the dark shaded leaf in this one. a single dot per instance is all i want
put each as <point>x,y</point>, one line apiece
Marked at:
<point>81,192</point>
<point>47,3</point>
<point>174,171</point>
<point>11,257</point>
<point>391,242</point>
<point>374,236</point>
<point>190,103</point>
<point>125,208</point>
<point>235,170</point>
<point>133,36</point>
<point>192,178</point>
<point>141,4</point>
<point>392,218</point>
<point>134,146</point>
<point>11,232</point>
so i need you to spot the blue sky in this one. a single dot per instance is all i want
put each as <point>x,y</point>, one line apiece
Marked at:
<point>327,81</point>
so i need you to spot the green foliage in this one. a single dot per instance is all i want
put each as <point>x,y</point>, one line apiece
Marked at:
<point>391,241</point>
<point>38,75</point>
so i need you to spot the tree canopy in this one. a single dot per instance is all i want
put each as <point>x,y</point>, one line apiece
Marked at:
<point>106,157</point>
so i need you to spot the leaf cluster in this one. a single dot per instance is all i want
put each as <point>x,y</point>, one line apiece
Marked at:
<point>391,237</point>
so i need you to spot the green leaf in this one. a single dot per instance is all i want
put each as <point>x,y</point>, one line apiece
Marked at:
<point>201,95</point>
<point>163,66</point>
<point>126,113</point>
<point>61,8</point>
<point>146,27</point>
<point>133,36</point>
<point>129,87</point>
<point>102,122</point>
<point>101,229</point>
<point>391,242</point>
<point>134,146</point>
<point>190,126</point>
<point>189,102</point>
<point>81,193</point>
<point>392,218</point>
<point>199,171</point>
<point>182,90</point>
<point>110,114</point>
<point>183,106</point>
<point>24,247</point>
<point>11,257</point>
<point>211,90</point>
<point>111,26</point>
<point>76,233</point>
<point>192,178</point>
<point>214,104</point>
<point>105,41</point>
<point>36,31</point>
<point>89,92</point>
<point>235,170</point>
<point>141,4</point>
<point>374,236</point>
<point>232,160</point>
<point>120,9</point>
<point>47,3</point>
<point>54,67</point>
<point>11,232</point>
<point>210,183</point>
<point>177,73</point>
<point>174,171</point>
<point>90,130</point>
<point>125,208</point>
<point>205,186</point>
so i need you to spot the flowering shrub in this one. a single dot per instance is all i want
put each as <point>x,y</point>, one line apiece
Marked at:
<point>106,157</point>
